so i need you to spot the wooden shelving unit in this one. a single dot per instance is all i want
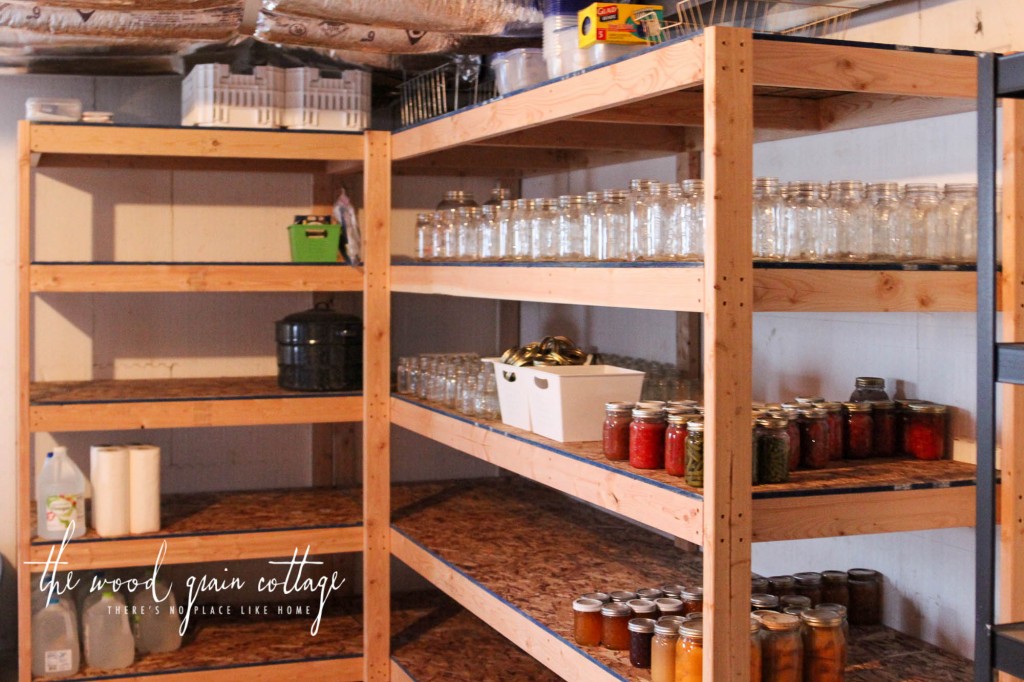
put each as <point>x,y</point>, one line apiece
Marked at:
<point>718,92</point>
<point>210,526</point>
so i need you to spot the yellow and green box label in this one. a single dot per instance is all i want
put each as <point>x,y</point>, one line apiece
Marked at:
<point>615,22</point>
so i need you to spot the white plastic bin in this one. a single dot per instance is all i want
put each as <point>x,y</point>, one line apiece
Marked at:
<point>213,96</point>
<point>567,403</point>
<point>314,102</point>
<point>512,393</point>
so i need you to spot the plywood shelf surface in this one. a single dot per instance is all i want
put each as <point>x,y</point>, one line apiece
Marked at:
<point>679,286</point>
<point>516,554</point>
<point>227,526</point>
<point>168,403</point>
<point>192,277</point>
<point>866,496</point>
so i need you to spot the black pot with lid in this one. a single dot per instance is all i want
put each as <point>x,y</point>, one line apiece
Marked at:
<point>320,350</point>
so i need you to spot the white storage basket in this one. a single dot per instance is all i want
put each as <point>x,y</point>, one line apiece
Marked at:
<point>313,102</point>
<point>213,96</point>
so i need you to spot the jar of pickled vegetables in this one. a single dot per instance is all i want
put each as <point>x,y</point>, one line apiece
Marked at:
<point>615,433</point>
<point>690,652</point>
<point>859,430</point>
<point>695,453</point>
<point>781,648</point>
<point>647,439</point>
<point>693,600</point>
<point>925,434</point>
<point>883,433</point>
<point>865,587</point>
<point>808,584</point>
<point>814,453</point>
<point>663,651</point>
<point>834,417</point>
<point>615,619</point>
<point>792,416</point>
<point>641,634</point>
<point>834,588</point>
<point>773,448</point>
<point>675,444</point>
<point>824,646</point>
<point>587,621</point>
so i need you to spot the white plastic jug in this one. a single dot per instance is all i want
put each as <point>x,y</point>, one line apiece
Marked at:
<point>60,496</point>
<point>55,651</point>
<point>156,622</point>
<point>108,640</point>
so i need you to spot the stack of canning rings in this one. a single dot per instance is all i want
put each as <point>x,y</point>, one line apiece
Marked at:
<point>551,351</point>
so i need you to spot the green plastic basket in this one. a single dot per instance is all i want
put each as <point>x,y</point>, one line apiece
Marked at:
<point>315,243</point>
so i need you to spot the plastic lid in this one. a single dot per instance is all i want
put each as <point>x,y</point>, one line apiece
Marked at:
<point>584,605</point>
<point>692,629</point>
<point>616,610</point>
<point>822,617</point>
<point>642,606</point>
<point>643,625</point>
<point>602,597</point>
<point>622,595</point>
<point>774,620</point>
<point>764,601</point>
<point>858,407</point>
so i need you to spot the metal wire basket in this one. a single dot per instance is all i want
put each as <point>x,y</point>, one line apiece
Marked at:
<point>444,89</point>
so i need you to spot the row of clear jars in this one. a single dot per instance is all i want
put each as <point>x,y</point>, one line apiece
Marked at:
<point>847,221</point>
<point>458,381</point>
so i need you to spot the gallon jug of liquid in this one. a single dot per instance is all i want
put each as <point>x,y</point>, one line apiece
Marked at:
<point>55,650</point>
<point>60,496</point>
<point>157,622</point>
<point>108,640</point>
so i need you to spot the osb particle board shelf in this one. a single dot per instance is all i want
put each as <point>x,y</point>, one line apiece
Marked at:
<point>516,554</point>
<point>257,647</point>
<point>168,403</point>
<point>226,526</point>
<point>868,496</point>
<point>192,277</point>
<point>680,286</point>
<point>430,633</point>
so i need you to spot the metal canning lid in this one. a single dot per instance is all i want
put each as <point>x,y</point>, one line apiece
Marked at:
<point>652,404</point>
<point>838,608</point>
<point>928,408</point>
<point>642,413</point>
<point>808,399</point>
<point>680,418</point>
<point>618,407</point>
<point>869,382</point>
<point>764,601</point>
<point>863,574</point>
<point>692,629</point>
<point>829,406</point>
<point>773,423</point>
<point>601,596</point>
<point>858,407</point>
<point>673,619</point>
<point>651,593</point>
<point>792,406</point>
<point>882,404</point>
<point>642,605</point>
<point>683,403</point>
<point>759,614</point>
<point>672,590</point>
<point>807,578</point>
<point>643,625</point>
<point>669,604</point>
<point>680,409</point>
<point>796,610</point>
<point>814,413</point>
<point>695,425</point>
<point>755,624</point>
<point>822,618</point>
<point>693,594</point>
<point>569,199</point>
<point>622,595</point>
<point>782,579</point>
<point>584,605</point>
<point>795,600</point>
<point>774,620</point>
<point>616,610</point>
<point>834,576</point>
<point>667,629</point>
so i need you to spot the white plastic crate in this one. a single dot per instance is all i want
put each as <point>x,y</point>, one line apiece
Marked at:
<point>313,102</point>
<point>213,96</point>
<point>512,394</point>
<point>567,403</point>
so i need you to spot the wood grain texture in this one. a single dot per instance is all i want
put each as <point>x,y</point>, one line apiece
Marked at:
<point>588,135</point>
<point>23,369</point>
<point>193,143</point>
<point>847,112</point>
<point>187,277</point>
<point>376,407</point>
<point>728,295</point>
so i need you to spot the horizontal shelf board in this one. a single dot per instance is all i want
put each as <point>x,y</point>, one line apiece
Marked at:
<point>227,526</point>
<point>866,496</point>
<point>1010,363</point>
<point>424,624</point>
<point>555,549</point>
<point>1008,648</point>
<point>246,648</point>
<point>679,286</point>
<point>192,277</point>
<point>112,404</point>
<point>193,143</point>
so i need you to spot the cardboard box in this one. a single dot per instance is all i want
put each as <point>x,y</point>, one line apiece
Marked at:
<point>614,22</point>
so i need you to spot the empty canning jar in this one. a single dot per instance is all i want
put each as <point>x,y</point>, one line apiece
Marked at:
<point>638,201</point>
<point>649,223</point>
<point>589,226</point>
<point>804,220</point>
<point>884,205</point>
<point>924,435</point>
<point>456,198</point>
<point>522,230</point>
<point>467,232</point>
<point>544,230</point>
<point>424,236</point>
<point>647,439</point>
<point>570,227</point>
<point>443,240</point>
<point>959,213</point>
<point>498,196</point>
<point>767,220</point>
<point>505,217</point>
<point>921,232</point>
<point>848,222</point>
<point>691,220</point>
<point>489,233</point>
<point>613,226</point>
<point>859,430</point>
<point>668,245</point>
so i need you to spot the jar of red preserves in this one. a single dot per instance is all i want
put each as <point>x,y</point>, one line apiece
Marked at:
<point>883,432</point>
<point>814,438</point>
<point>925,434</point>
<point>834,416</point>
<point>859,430</point>
<point>675,443</point>
<point>617,417</point>
<point>792,417</point>
<point>647,439</point>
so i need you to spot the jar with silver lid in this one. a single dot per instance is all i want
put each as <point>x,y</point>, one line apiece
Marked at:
<point>767,224</point>
<point>424,236</point>
<point>848,223</point>
<point>764,602</point>
<point>782,649</point>
<point>544,230</point>
<point>959,213</point>
<point>921,235</point>
<point>455,198</point>
<point>691,220</point>
<point>825,646</point>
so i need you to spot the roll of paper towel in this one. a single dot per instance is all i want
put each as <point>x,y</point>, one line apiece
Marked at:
<point>109,472</point>
<point>145,487</point>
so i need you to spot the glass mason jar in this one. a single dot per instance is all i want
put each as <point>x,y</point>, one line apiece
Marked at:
<point>763,601</point>
<point>643,608</point>
<point>589,226</point>
<point>690,652</point>
<point>488,233</point>
<point>615,619</point>
<point>808,584</point>
<point>641,636</point>
<point>772,450</point>
<point>663,651</point>
<point>758,584</point>
<point>668,244</point>
<point>544,230</point>
<point>755,650</point>
<point>570,227</point>
<point>522,230</point>
<point>649,221</point>
<point>695,453</point>
<point>424,236</point>
<point>498,195</point>
<point>867,389</point>
<point>622,596</point>
<point>615,433</point>
<point>487,404</point>
<point>637,200</point>
<point>865,587</point>
<point>884,204</point>
<point>849,222</point>
<point>924,435</point>
<point>834,415</point>
<point>691,220</point>
<point>467,233</point>
<point>587,621</point>
<point>767,223</point>
<point>782,648</point>
<point>650,593</point>
<point>921,232</point>
<point>613,226</point>
<point>824,646</point>
<point>814,453</point>
<point>443,240</point>
<point>803,217</point>
<point>675,444</point>
<point>505,217</point>
<point>883,427</point>
<point>693,600</point>
<point>647,439</point>
<point>834,588</point>
<point>670,606</point>
<point>858,430</point>
<point>456,198</point>
<point>959,213</point>
<point>792,417</point>
<point>781,585</point>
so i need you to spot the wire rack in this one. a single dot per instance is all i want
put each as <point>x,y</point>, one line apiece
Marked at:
<point>446,88</point>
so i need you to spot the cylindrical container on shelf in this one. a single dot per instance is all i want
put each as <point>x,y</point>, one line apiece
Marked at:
<point>924,436</point>
<point>693,600</point>
<point>506,216</point>
<point>670,606</point>
<point>675,444</point>
<point>851,214</point>
<point>755,650</point>
<point>824,646</point>
<point>647,439</point>
<point>814,452</point>
<point>794,601</point>
<point>456,198</point>
<point>764,602</point>
<point>883,427</point>
<point>444,238</point>
<point>695,453</point>
<point>544,230</point>
<point>589,227</point>
<point>867,389</point>
<point>641,635</point>
<point>570,227</point>
<point>668,245</point>
<point>758,584</point>
<point>489,235</point>
<point>834,415</point>
<point>865,586</point>
<point>808,584</point>
<point>643,608</point>
<point>858,430</point>
<point>767,224</point>
<point>959,213</point>
<point>781,648</point>
<point>622,596</point>
<point>467,233</point>
<point>804,221</point>
<point>522,230</point>
<point>884,204</point>
<point>424,236</point>
<point>690,652</point>
<point>834,588</point>
<point>921,238</point>
<point>842,611</point>
<point>792,417</point>
<point>649,593</point>
<point>613,226</point>
<point>615,619</point>
<point>587,625</point>
<point>499,195</point>
<point>772,450</point>
<point>615,433</point>
<point>602,597</point>
<point>673,591</point>
<point>144,482</point>
<point>110,475</point>
<point>648,220</point>
<point>637,200</point>
<point>663,651</point>
<point>781,585</point>
<point>690,209</point>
